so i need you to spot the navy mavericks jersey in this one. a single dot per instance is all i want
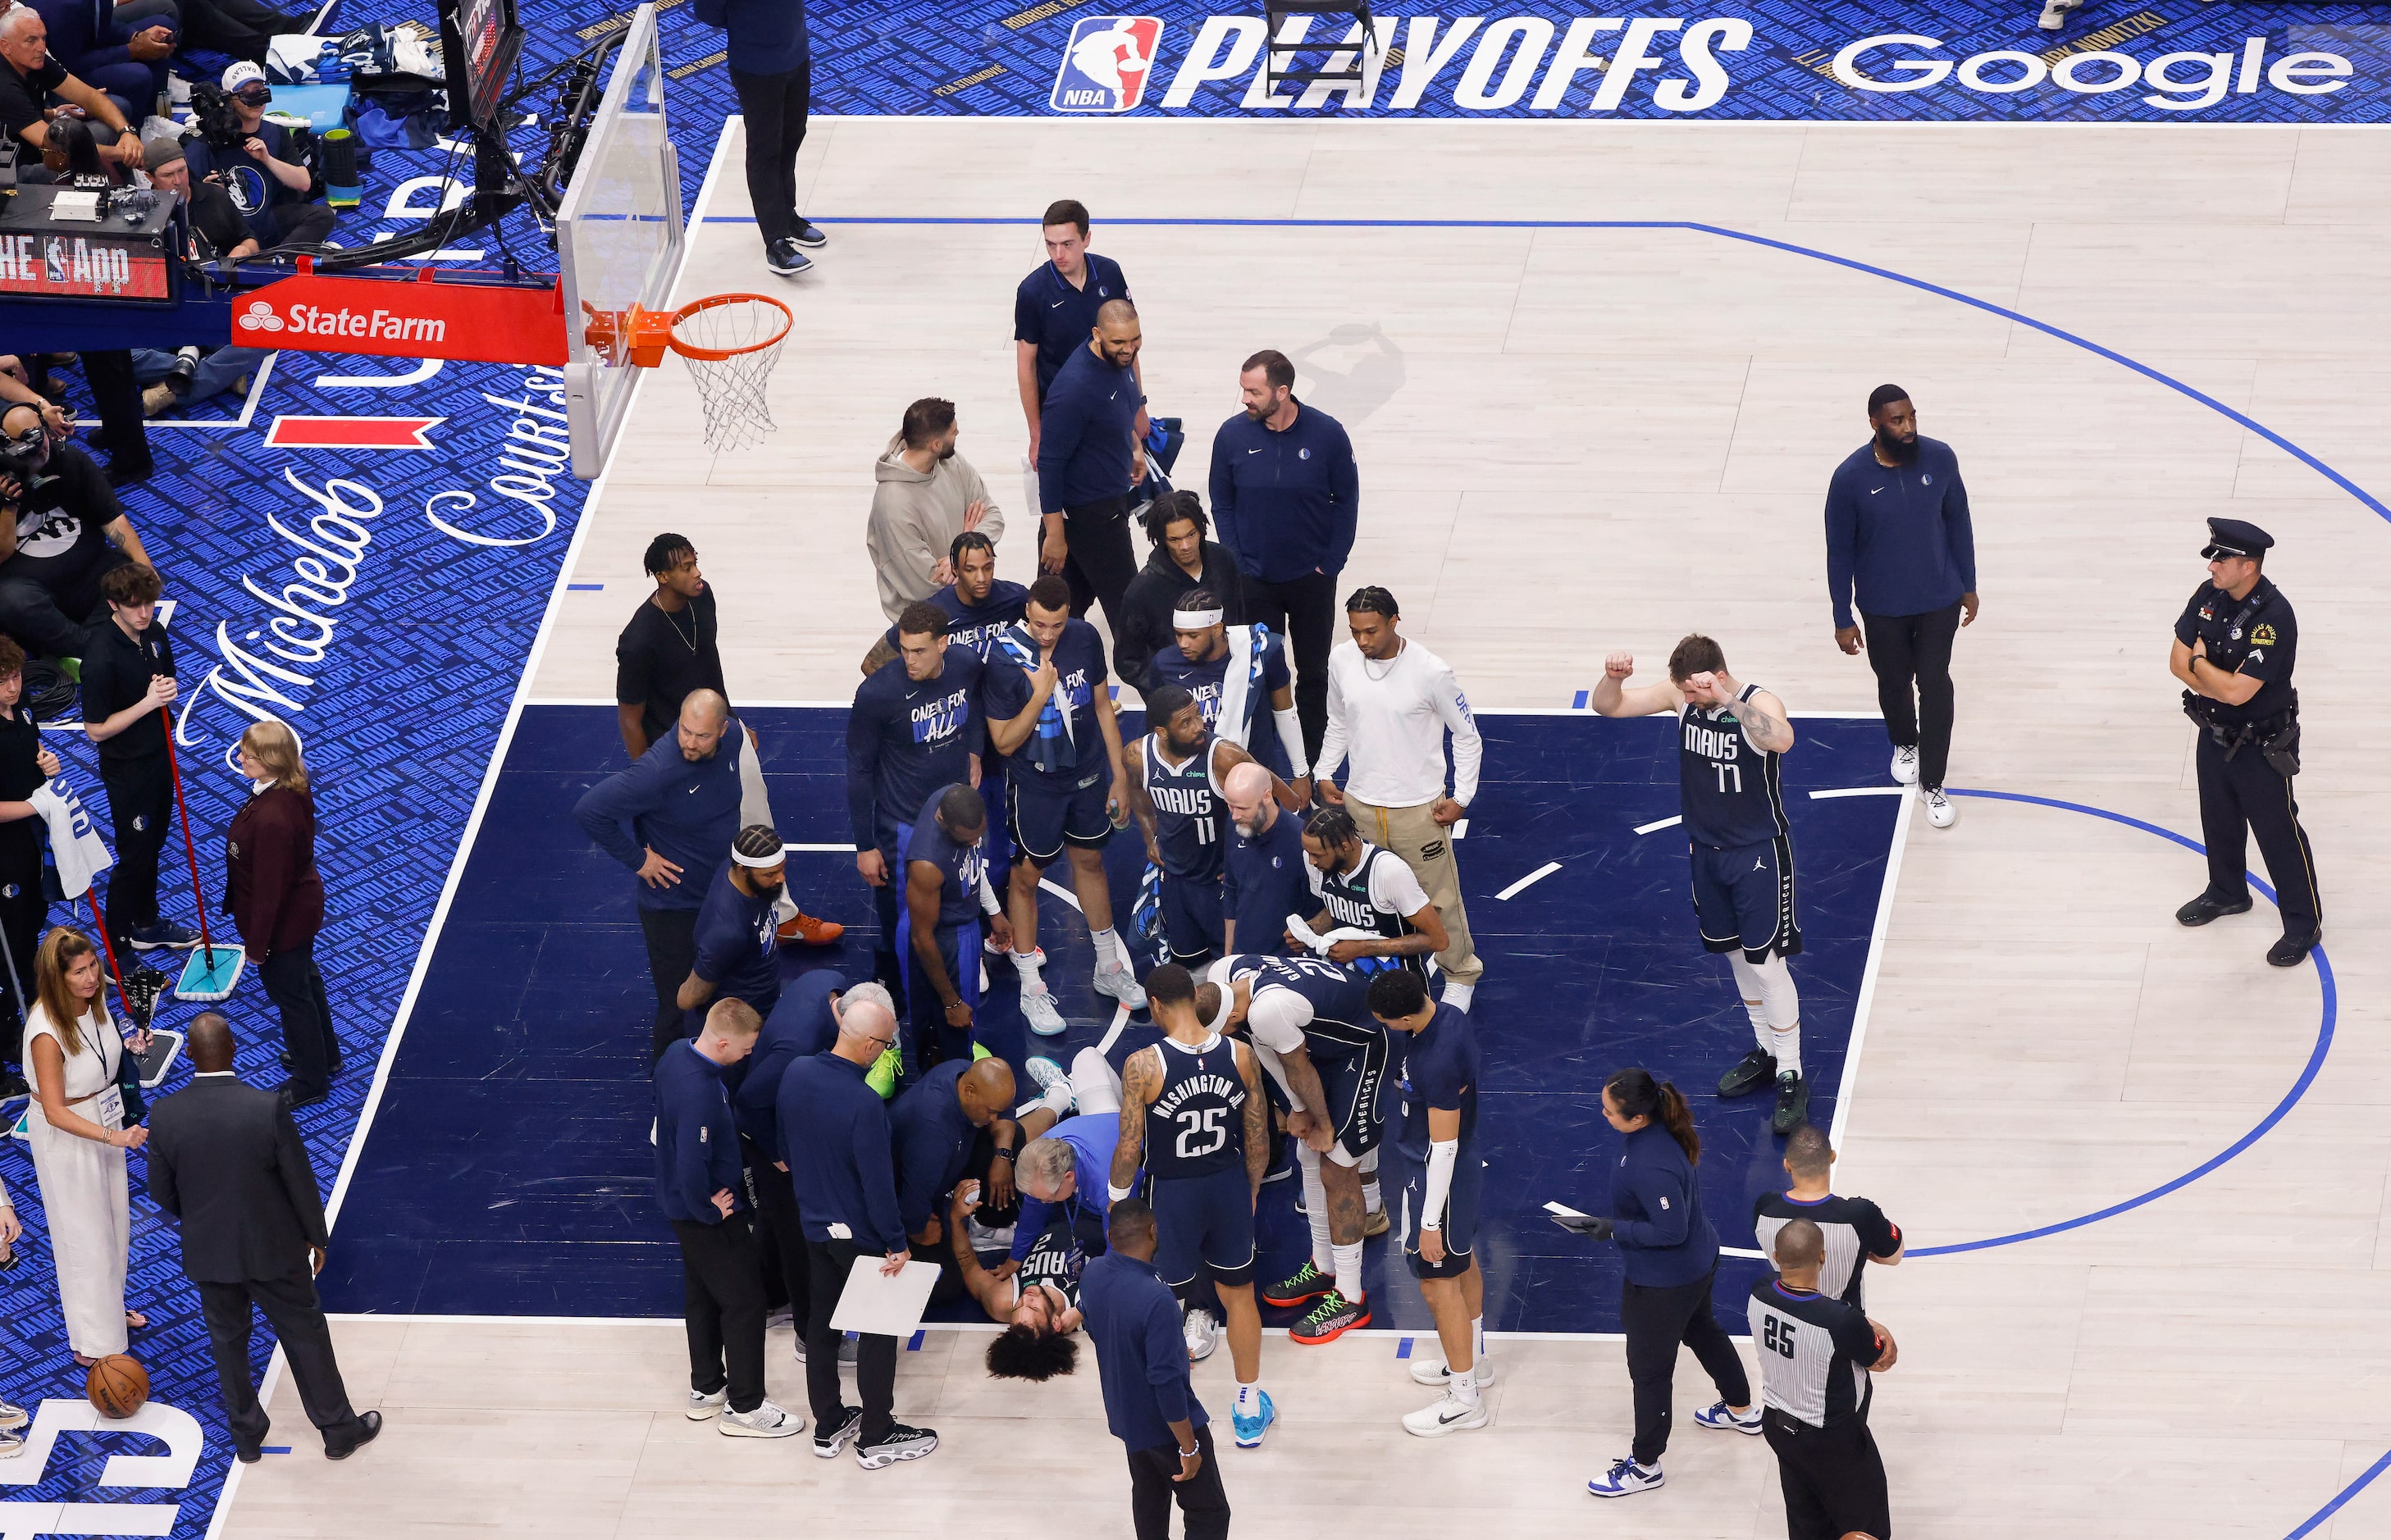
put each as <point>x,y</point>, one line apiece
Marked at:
<point>1349,902</point>
<point>1188,811</point>
<point>1055,1259</point>
<point>1255,731</point>
<point>1195,1125</point>
<point>1729,789</point>
<point>1341,1023</point>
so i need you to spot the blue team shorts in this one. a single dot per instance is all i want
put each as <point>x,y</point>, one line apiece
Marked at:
<point>1044,813</point>
<point>1191,918</point>
<point>1743,897</point>
<point>1460,1213</point>
<point>1204,1222</point>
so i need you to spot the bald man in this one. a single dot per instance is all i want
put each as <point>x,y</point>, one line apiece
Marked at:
<point>954,1125</point>
<point>1812,1348</point>
<point>1089,461</point>
<point>1263,877</point>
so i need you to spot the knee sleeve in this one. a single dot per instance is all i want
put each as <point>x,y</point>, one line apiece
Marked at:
<point>1780,1003</point>
<point>1093,1083</point>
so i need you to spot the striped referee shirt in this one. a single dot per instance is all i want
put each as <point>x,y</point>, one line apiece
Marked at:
<point>1856,1230</point>
<point>1813,1353</point>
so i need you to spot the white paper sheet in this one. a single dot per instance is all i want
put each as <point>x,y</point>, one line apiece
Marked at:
<point>881,1306</point>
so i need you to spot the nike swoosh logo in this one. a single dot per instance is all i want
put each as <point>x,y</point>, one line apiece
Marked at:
<point>1873,490</point>
<point>1253,450</point>
<point>1058,305</point>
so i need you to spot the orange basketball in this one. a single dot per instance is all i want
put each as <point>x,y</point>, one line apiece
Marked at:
<point>118,1386</point>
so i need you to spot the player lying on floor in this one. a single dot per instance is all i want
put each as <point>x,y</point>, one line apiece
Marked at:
<point>1036,1299</point>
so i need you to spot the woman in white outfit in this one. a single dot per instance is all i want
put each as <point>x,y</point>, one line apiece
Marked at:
<point>79,1139</point>
<point>12,1417</point>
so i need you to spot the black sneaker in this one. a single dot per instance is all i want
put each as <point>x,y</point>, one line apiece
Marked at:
<point>295,1099</point>
<point>1792,1103</point>
<point>806,234</point>
<point>899,1442</point>
<point>2207,906</point>
<point>832,1437</point>
<point>1308,1283</point>
<point>1754,1070</point>
<point>1331,1318</point>
<point>2292,951</point>
<point>784,258</point>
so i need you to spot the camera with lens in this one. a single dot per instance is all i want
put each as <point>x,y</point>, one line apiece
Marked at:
<point>23,454</point>
<point>218,119</point>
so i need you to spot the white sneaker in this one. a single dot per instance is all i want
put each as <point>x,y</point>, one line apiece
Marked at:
<point>1436,1371</point>
<point>1117,983</point>
<point>1905,765</point>
<point>766,1421</point>
<point>1458,996</point>
<point>1038,1010</point>
<point>1449,1415</point>
<point>1940,810</point>
<point>1623,1478</point>
<point>1203,1335</point>
<point>702,1406</point>
<point>12,1417</point>
<point>1050,1077</point>
<point>1723,1418</point>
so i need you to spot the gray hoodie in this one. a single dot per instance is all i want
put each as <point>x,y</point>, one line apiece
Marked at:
<point>915,517</point>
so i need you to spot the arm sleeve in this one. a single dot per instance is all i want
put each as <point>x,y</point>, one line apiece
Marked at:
<point>1035,1214</point>
<point>690,1167</point>
<point>2186,625</point>
<point>1026,318</point>
<point>1469,749</point>
<point>1060,427</point>
<point>1166,1361</point>
<point>862,766</point>
<point>714,13</point>
<point>1656,1188</point>
<point>991,520</point>
<point>878,1170</point>
<point>1393,883</point>
<point>759,1110</point>
<point>1442,1155</point>
<point>1842,541</point>
<point>606,812</point>
<point>1855,1338</point>
<point>714,960</point>
<point>1960,528</point>
<point>299,1179</point>
<point>162,1190</point>
<point>631,675</point>
<point>1345,481</point>
<point>1332,739</point>
<point>1229,882</point>
<point>915,1171</point>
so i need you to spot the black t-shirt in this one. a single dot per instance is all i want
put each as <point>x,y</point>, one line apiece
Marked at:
<point>660,657</point>
<point>21,776</point>
<point>216,225</point>
<point>116,670</point>
<point>60,519</point>
<point>2256,635</point>
<point>21,95</point>
<point>255,190</point>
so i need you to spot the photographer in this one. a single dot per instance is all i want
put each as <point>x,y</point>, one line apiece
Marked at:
<point>62,531</point>
<point>28,76</point>
<point>253,161</point>
<point>189,375</point>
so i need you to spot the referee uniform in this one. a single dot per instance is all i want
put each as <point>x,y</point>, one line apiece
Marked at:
<point>1813,1353</point>
<point>1854,1227</point>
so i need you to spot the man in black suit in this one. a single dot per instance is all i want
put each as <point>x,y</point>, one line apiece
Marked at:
<point>226,1159</point>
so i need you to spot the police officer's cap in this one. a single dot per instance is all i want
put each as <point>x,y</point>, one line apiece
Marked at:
<point>2232,537</point>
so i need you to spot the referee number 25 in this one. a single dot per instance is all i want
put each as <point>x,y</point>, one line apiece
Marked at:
<point>1727,773</point>
<point>1777,1334</point>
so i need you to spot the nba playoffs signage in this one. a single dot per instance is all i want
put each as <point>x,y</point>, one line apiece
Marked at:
<point>2169,60</point>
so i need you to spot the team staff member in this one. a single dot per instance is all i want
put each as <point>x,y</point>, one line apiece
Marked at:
<point>1184,557</point>
<point>1056,307</point>
<point>1392,702</point>
<point>947,890</point>
<point>1856,1231</point>
<point>772,74</point>
<point>1815,1355</point>
<point>275,898</point>
<point>835,1137</point>
<point>735,952</point>
<point>670,648</point>
<point>128,678</point>
<point>1149,1403</point>
<point>2235,644</point>
<point>25,765</point>
<point>1089,461</point>
<point>1173,787</point>
<point>917,724</point>
<point>1672,1257</point>
<point>950,1120</point>
<point>1898,533</point>
<point>701,1190</point>
<point>1287,497</point>
<point>1263,877</point>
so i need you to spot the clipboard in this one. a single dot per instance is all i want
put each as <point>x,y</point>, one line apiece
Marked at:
<point>871,1305</point>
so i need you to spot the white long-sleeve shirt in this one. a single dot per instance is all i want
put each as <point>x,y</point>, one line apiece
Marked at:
<point>1392,717</point>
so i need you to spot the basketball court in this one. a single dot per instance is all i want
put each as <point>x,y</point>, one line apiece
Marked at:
<point>1597,371</point>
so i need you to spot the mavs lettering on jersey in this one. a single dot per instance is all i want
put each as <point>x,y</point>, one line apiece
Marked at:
<point>1106,64</point>
<point>1347,898</point>
<point>1187,812</point>
<point>1729,788</point>
<point>1195,1123</point>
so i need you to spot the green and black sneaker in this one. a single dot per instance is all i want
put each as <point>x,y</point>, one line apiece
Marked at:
<point>1331,1318</point>
<point>1308,1283</point>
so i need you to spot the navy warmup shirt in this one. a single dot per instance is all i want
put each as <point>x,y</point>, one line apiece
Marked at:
<point>1287,503</point>
<point>736,949</point>
<point>1439,1068</point>
<point>686,811</point>
<point>1048,311</point>
<point>958,865</point>
<point>1656,1206</point>
<point>835,1137</point>
<point>1265,677</point>
<point>933,1142</point>
<point>697,1144</point>
<point>801,1025</point>
<point>1084,431</point>
<point>905,739</point>
<point>1266,882</point>
<point>1899,534</point>
<point>976,625</point>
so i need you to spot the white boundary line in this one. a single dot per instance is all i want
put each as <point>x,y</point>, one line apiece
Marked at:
<point>1858,792</point>
<point>1391,1333</point>
<point>1534,877</point>
<point>1867,977</point>
<point>231,1487</point>
<point>1672,821</point>
<point>1618,124</point>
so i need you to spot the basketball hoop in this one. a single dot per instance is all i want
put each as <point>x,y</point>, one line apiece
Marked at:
<point>731,342</point>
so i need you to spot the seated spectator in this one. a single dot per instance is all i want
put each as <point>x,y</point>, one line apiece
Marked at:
<point>190,376</point>
<point>29,77</point>
<point>240,28</point>
<point>926,496</point>
<point>1038,1304</point>
<point>119,49</point>
<point>270,189</point>
<point>217,229</point>
<point>62,531</point>
<point>1184,557</point>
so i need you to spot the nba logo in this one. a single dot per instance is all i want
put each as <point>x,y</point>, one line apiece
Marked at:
<point>1106,64</point>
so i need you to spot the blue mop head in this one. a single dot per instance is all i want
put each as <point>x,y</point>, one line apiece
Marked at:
<point>201,981</point>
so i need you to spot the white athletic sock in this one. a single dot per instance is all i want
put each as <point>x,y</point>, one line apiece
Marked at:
<point>1477,1338</point>
<point>1373,1199</point>
<point>1058,1101</point>
<point>1315,1209</point>
<point>1463,1387</point>
<point>1025,964</point>
<point>1109,949</point>
<point>1458,996</point>
<point>1786,1043</point>
<point>1348,1272</point>
<point>1250,1396</point>
<point>1747,983</point>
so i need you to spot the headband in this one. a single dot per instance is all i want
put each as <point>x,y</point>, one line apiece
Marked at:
<point>1195,620</point>
<point>758,862</point>
<point>1228,997</point>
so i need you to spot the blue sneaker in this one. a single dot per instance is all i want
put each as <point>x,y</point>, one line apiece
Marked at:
<point>1251,1426</point>
<point>164,935</point>
<point>1623,1477</point>
<point>1719,1414</point>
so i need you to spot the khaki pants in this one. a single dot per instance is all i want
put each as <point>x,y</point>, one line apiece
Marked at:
<point>1426,847</point>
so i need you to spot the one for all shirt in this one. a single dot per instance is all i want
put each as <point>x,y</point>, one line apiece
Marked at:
<point>1067,741</point>
<point>907,738</point>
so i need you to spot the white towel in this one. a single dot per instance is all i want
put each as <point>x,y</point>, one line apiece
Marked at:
<point>76,847</point>
<point>1236,683</point>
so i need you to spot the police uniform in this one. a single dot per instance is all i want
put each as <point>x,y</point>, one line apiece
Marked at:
<point>2248,753</point>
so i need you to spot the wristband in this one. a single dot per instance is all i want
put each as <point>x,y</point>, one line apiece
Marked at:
<point>1190,1454</point>
<point>1116,1194</point>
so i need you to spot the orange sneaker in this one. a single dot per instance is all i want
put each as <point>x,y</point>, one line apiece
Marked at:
<point>811,932</point>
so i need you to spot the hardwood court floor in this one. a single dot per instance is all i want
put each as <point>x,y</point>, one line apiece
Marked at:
<point>1579,439</point>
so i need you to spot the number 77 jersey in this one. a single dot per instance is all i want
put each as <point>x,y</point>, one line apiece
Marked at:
<point>1729,789</point>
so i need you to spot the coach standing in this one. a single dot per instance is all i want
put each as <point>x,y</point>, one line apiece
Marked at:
<point>1089,461</point>
<point>1264,877</point>
<point>1898,536</point>
<point>772,72</point>
<point>1391,703</point>
<point>1287,499</point>
<point>1133,1321</point>
<point>1055,309</point>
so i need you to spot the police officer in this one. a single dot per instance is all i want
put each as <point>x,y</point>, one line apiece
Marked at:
<point>2235,649</point>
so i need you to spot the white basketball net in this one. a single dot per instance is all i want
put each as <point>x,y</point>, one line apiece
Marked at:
<point>730,391</point>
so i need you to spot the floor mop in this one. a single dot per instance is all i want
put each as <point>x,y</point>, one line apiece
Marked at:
<point>212,970</point>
